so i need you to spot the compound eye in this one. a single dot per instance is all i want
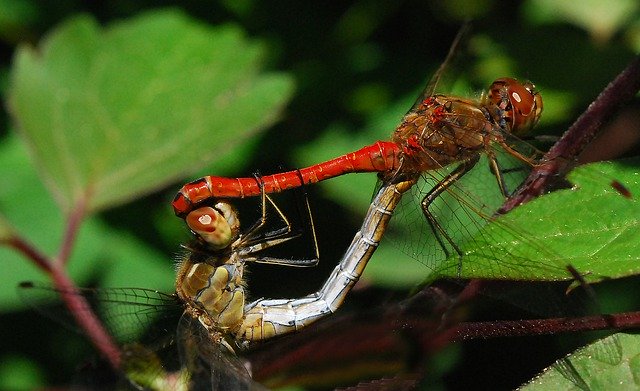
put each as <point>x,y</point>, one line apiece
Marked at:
<point>527,107</point>
<point>521,104</point>
<point>212,226</point>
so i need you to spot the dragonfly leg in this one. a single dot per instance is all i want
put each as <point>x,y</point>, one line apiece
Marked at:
<point>253,234</point>
<point>433,194</point>
<point>497,172</point>
<point>255,241</point>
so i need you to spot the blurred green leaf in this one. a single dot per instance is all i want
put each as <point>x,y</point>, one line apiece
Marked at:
<point>100,252</point>
<point>601,19</point>
<point>19,373</point>
<point>5,229</point>
<point>558,106</point>
<point>111,114</point>
<point>612,363</point>
<point>15,18</point>
<point>592,227</point>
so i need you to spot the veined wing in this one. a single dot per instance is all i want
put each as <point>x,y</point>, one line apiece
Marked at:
<point>125,312</point>
<point>453,246</point>
<point>211,366</point>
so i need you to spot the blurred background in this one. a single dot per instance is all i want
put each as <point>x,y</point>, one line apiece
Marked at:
<point>356,67</point>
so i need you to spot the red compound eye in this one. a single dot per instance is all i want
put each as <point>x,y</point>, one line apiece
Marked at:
<point>521,103</point>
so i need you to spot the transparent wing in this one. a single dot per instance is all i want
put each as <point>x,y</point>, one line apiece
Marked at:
<point>142,320</point>
<point>127,313</point>
<point>457,246</point>
<point>452,55</point>
<point>210,365</point>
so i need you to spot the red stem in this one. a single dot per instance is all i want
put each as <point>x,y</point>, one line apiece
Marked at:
<point>76,304</point>
<point>30,252</point>
<point>515,328</point>
<point>73,226</point>
<point>562,157</point>
<point>85,317</point>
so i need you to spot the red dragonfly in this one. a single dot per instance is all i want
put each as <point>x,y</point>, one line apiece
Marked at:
<point>440,139</point>
<point>438,131</point>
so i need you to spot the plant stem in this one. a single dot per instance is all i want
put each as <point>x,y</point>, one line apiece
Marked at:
<point>562,156</point>
<point>514,328</point>
<point>73,226</point>
<point>85,317</point>
<point>30,252</point>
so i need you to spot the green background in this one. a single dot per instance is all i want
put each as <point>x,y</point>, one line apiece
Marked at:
<point>117,105</point>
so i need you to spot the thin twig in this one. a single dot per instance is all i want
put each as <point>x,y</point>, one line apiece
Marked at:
<point>515,328</point>
<point>85,317</point>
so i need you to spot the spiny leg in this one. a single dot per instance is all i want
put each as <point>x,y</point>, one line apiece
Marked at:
<point>254,243</point>
<point>254,234</point>
<point>494,166</point>
<point>433,194</point>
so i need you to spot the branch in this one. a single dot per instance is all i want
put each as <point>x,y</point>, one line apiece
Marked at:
<point>86,318</point>
<point>562,156</point>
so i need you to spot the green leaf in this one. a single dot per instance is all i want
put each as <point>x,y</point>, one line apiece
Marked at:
<point>608,364</point>
<point>6,230</point>
<point>600,19</point>
<point>100,251</point>
<point>19,373</point>
<point>592,227</point>
<point>110,114</point>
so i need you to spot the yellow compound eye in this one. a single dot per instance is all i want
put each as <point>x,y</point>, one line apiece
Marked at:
<point>210,225</point>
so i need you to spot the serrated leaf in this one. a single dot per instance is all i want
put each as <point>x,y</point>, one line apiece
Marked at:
<point>610,363</point>
<point>592,227</point>
<point>117,112</point>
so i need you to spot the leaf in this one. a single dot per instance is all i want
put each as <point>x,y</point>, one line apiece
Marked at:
<point>6,231</point>
<point>600,19</point>
<point>592,227</point>
<point>19,373</point>
<point>16,17</point>
<point>607,364</point>
<point>110,114</point>
<point>100,251</point>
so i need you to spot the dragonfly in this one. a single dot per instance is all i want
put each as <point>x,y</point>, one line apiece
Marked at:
<point>441,139</point>
<point>438,131</point>
<point>216,321</point>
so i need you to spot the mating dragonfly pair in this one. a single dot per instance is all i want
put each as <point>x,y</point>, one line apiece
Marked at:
<point>439,134</point>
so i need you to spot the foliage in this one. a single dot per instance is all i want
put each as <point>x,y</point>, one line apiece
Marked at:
<point>108,120</point>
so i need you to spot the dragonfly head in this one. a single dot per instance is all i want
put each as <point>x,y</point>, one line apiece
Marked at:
<point>519,103</point>
<point>218,225</point>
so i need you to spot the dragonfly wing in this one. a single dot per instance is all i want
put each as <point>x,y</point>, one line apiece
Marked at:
<point>129,314</point>
<point>125,312</point>
<point>452,55</point>
<point>505,252</point>
<point>210,365</point>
